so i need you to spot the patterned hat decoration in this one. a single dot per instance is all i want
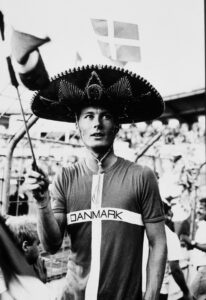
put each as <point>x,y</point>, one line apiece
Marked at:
<point>128,95</point>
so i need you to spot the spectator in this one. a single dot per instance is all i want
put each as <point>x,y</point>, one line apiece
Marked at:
<point>173,258</point>
<point>25,233</point>
<point>21,261</point>
<point>198,286</point>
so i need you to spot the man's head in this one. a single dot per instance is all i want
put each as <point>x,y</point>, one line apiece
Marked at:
<point>25,234</point>
<point>201,209</point>
<point>98,127</point>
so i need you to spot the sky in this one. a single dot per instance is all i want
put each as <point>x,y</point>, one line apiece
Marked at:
<point>171,39</point>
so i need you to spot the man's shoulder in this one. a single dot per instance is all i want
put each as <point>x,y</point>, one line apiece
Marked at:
<point>140,168</point>
<point>73,166</point>
<point>67,172</point>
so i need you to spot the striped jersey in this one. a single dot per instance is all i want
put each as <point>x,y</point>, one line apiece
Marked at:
<point>105,220</point>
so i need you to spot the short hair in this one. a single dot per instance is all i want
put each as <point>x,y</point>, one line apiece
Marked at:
<point>23,228</point>
<point>105,106</point>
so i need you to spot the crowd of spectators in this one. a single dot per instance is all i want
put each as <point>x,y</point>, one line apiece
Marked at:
<point>131,138</point>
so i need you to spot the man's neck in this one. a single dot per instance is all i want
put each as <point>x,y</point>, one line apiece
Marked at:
<point>93,159</point>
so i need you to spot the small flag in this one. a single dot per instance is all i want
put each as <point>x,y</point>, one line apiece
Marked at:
<point>118,41</point>
<point>22,44</point>
<point>29,63</point>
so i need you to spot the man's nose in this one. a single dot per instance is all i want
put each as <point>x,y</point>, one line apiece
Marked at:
<point>97,121</point>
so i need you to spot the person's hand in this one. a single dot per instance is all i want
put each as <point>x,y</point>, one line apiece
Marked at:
<point>187,240</point>
<point>37,182</point>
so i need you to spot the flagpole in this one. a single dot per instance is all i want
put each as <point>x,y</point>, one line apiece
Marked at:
<point>15,83</point>
<point>27,131</point>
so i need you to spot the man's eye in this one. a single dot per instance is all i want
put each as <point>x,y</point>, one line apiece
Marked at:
<point>88,116</point>
<point>107,117</point>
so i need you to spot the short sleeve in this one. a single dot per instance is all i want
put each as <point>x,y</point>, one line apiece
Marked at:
<point>152,206</point>
<point>57,190</point>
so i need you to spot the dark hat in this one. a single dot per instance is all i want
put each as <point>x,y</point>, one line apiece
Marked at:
<point>130,96</point>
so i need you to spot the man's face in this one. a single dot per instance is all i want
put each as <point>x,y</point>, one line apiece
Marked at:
<point>201,211</point>
<point>97,128</point>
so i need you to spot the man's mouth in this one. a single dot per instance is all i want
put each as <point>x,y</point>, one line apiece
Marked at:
<point>97,134</point>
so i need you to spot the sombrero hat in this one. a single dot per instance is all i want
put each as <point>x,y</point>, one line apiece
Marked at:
<point>130,96</point>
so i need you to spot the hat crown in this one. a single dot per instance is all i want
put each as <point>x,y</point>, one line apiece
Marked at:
<point>94,92</point>
<point>94,87</point>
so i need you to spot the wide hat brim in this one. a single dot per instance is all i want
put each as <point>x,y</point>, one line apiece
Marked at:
<point>132,97</point>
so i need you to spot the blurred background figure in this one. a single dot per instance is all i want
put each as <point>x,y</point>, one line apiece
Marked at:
<point>173,268</point>
<point>24,229</point>
<point>24,272</point>
<point>175,255</point>
<point>198,255</point>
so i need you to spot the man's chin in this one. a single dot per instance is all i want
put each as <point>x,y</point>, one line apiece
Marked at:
<point>100,148</point>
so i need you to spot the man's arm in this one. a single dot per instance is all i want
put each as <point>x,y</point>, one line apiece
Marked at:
<point>180,279</point>
<point>156,260</point>
<point>192,244</point>
<point>50,226</point>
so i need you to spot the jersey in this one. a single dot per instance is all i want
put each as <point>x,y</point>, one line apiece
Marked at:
<point>105,220</point>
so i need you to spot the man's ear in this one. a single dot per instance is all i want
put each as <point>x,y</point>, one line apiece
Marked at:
<point>76,122</point>
<point>25,245</point>
<point>77,125</point>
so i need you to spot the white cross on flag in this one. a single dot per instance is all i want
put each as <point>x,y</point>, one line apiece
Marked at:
<point>118,41</point>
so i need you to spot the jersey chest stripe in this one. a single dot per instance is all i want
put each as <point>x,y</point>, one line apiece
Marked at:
<point>96,202</point>
<point>106,213</point>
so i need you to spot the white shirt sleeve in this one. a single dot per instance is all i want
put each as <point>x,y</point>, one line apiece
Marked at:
<point>173,245</point>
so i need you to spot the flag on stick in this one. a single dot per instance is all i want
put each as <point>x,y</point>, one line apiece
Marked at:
<point>29,63</point>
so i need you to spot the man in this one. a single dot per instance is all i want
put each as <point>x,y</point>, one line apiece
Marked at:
<point>173,258</point>
<point>24,229</point>
<point>104,201</point>
<point>18,261</point>
<point>198,286</point>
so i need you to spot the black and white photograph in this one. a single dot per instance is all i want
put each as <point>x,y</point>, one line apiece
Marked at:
<point>102,150</point>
